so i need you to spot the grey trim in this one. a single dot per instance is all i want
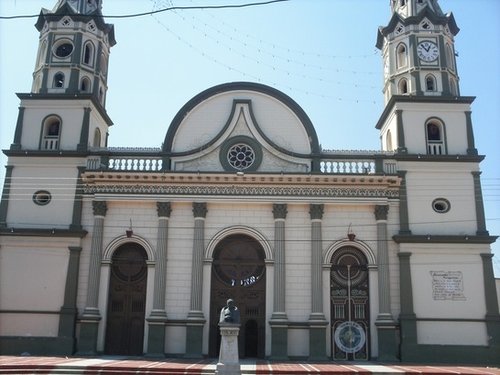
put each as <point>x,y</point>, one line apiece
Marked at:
<point>16,345</point>
<point>45,153</point>
<point>69,311</point>
<point>39,232</point>
<point>407,315</point>
<point>75,96</point>
<point>478,197</point>
<point>4,203</point>
<point>457,239</point>
<point>76,222</point>
<point>471,147</point>
<point>404,225</point>
<point>420,99</point>
<point>16,145</point>
<point>490,292</point>
<point>234,86</point>
<point>83,145</point>
<point>440,158</point>
<point>401,133</point>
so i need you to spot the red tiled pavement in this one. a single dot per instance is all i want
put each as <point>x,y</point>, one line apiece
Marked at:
<point>126,366</point>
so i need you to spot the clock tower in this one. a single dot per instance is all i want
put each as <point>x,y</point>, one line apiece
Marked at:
<point>427,124</point>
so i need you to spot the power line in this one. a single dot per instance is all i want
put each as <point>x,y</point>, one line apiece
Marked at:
<point>134,15</point>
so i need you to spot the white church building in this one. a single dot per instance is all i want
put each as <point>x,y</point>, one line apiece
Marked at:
<point>329,256</point>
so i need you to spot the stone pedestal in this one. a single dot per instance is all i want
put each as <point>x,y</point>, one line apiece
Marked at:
<point>228,355</point>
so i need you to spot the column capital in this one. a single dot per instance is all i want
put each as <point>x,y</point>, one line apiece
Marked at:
<point>381,212</point>
<point>200,209</point>
<point>316,211</point>
<point>280,210</point>
<point>164,209</point>
<point>100,208</point>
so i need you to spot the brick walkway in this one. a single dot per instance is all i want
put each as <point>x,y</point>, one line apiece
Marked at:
<point>128,366</point>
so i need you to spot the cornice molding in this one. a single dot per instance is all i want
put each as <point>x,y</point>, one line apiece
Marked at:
<point>431,238</point>
<point>37,232</point>
<point>243,190</point>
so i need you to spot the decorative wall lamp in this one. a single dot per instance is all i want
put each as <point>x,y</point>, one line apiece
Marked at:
<point>350,233</point>
<point>129,232</point>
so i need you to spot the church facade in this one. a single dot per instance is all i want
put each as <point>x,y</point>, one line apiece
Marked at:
<point>328,256</point>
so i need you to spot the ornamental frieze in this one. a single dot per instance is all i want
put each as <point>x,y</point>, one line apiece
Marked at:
<point>294,191</point>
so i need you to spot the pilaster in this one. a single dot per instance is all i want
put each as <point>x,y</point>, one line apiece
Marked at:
<point>196,319</point>
<point>407,316</point>
<point>491,298</point>
<point>478,195</point>
<point>279,320</point>
<point>158,316</point>
<point>69,311</point>
<point>386,326</point>
<point>317,321</point>
<point>87,344</point>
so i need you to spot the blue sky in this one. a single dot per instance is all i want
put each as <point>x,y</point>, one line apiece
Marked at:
<point>319,52</point>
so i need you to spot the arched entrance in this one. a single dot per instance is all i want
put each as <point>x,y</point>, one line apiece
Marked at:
<point>238,272</point>
<point>349,304</point>
<point>126,301</point>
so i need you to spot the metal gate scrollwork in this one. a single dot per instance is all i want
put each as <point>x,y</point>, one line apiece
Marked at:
<point>349,305</point>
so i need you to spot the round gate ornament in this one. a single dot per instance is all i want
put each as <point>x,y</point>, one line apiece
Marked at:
<point>350,337</point>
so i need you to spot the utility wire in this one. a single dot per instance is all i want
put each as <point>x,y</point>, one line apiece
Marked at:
<point>134,15</point>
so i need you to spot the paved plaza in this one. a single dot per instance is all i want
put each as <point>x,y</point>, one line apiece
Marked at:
<point>128,366</point>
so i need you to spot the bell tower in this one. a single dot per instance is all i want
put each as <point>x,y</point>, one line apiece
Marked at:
<point>418,50</point>
<point>427,124</point>
<point>420,67</point>
<point>74,50</point>
<point>63,116</point>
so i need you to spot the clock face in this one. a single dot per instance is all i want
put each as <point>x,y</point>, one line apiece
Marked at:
<point>427,51</point>
<point>64,49</point>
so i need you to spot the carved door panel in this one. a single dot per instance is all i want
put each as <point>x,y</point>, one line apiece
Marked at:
<point>127,301</point>
<point>238,272</point>
<point>349,305</point>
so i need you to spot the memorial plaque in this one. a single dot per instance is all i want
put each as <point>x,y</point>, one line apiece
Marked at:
<point>447,286</point>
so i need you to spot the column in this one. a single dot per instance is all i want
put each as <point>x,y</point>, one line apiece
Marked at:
<point>87,344</point>
<point>317,321</point>
<point>69,312</point>
<point>279,320</point>
<point>195,318</point>
<point>490,294</point>
<point>386,326</point>
<point>158,316</point>
<point>407,317</point>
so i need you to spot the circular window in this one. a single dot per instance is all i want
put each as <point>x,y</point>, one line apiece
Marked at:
<point>441,205</point>
<point>241,156</point>
<point>42,197</point>
<point>63,49</point>
<point>241,153</point>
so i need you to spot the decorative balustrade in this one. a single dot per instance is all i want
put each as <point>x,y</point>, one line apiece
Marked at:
<point>125,163</point>
<point>333,164</point>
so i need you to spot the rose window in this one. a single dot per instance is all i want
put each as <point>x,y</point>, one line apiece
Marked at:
<point>240,156</point>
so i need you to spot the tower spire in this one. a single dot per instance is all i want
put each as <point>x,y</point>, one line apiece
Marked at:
<point>412,8</point>
<point>84,7</point>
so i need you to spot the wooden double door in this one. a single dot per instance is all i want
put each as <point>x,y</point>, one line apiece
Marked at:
<point>127,301</point>
<point>238,272</point>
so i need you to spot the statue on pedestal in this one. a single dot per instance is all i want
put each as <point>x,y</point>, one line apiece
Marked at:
<point>229,324</point>
<point>230,313</point>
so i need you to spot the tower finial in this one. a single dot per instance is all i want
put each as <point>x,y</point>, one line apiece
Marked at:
<point>411,8</point>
